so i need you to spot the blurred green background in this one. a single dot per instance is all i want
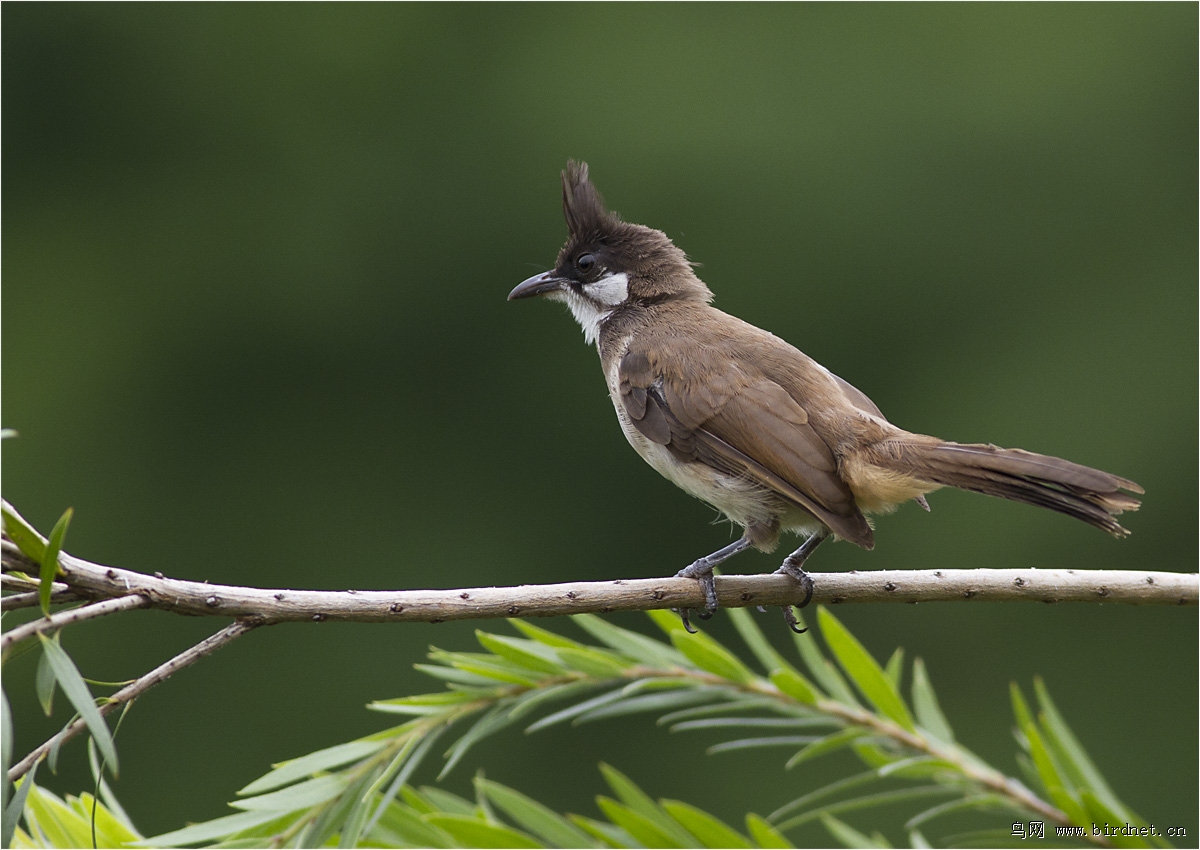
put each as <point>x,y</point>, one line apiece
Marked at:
<point>255,260</point>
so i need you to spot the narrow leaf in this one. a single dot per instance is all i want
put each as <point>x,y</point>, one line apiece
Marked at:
<point>493,721</point>
<point>711,831</point>
<point>707,654</point>
<point>446,801</point>
<point>31,544</point>
<point>535,699</point>
<point>828,744</point>
<point>545,636</point>
<point>1051,777</point>
<point>864,670</point>
<point>45,682</point>
<point>531,655</point>
<point>895,668</point>
<point>640,648</point>
<point>473,832</point>
<point>883,798</point>
<point>49,561</point>
<point>299,768</point>
<point>644,830</point>
<point>926,707</point>
<point>1099,814</point>
<point>534,817</point>
<point>15,806</point>
<point>76,690</point>
<point>597,663</point>
<point>790,682</point>
<point>573,711</point>
<point>661,701</point>
<point>767,655</point>
<point>974,802</point>
<point>209,831</point>
<point>294,797</point>
<point>609,833</point>
<point>765,835</point>
<point>639,801</point>
<point>847,835</point>
<point>755,743</point>
<point>1073,756</point>
<point>856,781</point>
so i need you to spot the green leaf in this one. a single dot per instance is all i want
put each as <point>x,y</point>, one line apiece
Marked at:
<point>790,682</point>
<point>45,682</point>
<point>828,744</point>
<point>639,802</point>
<point>298,768</point>
<point>423,704</point>
<point>1073,757</point>
<point>644,830</point>
<point>856,781</point>
<point>883,798</point>
<point>76,690</point>
<point>49,561</point>
<point>972,802</point>
<point>764,834</point>
<point>895,668</point>
<point>594,662</point>
<point>446,801</point>
<point>46,814</point>
<point>573,711</point>
<point>848,835</point>
<point>1100,814</point>
<point>532,816</point>
<point>753,743</point>
<point>31,544</point>
<point>711,831</point>
<point>1020,708</point>
<point>710,656</point>
<point>15,806</point>
<point>532,700</point>
<point>400,824</point>
<point>493,721</point>
<point>609,833</point>
<point>488,665</point>
<point>300,796</point>
<point>753,636</point>
<point>926,707</point>
<point>545,636</point>
<point>1051,777</point>
<point>473,832</point>
<point>209,831</point>
<point>539,658</point>
<point>661,701</point>
<point>640,648</point>
<point>864,670</point>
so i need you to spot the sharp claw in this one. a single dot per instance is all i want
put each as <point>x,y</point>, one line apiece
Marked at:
<point>790,618</point>
<point>683,615</point>
<point>704,615</point>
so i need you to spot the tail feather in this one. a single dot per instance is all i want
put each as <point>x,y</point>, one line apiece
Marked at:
<point>1090,495</point>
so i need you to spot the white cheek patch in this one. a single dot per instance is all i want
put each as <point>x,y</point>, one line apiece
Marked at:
<point>610,290</point>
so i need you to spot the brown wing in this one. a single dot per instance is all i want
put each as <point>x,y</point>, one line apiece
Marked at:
<point>744,425</point>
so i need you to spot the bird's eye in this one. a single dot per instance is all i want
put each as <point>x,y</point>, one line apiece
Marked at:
<point>585,262</point>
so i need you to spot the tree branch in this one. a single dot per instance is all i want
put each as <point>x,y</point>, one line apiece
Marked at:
<point>1134,587</point>
<point>135,689</point>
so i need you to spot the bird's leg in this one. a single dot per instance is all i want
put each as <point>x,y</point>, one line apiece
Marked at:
<point>793,565</point>
<point>702,571</point>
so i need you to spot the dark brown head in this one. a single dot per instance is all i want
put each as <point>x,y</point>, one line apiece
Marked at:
<point>607,264</point>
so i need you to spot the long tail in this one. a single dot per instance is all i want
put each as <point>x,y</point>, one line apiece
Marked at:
<point>1087,494</point>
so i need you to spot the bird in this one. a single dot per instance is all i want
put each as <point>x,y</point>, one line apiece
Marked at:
<point>744,421</point>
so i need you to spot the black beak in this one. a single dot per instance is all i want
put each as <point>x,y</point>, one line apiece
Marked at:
<point>539,284</point>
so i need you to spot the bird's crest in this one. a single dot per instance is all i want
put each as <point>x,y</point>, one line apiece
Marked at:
<point>582,205</point>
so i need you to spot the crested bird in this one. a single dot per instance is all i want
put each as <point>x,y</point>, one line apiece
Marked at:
<point>739,418</point>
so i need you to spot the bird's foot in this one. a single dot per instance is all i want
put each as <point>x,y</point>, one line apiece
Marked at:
<point>702,571</point>
<point>793,565</point>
